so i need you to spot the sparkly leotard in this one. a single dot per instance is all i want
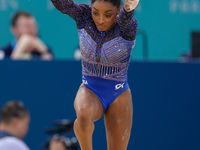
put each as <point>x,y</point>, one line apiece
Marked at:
<point>105,55</point>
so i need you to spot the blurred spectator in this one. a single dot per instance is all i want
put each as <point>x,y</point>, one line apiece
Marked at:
<point>27,44</point>
<point>14,125</point>
<point>77,54</point>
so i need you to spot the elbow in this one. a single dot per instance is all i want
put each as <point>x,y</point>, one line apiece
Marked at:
<point>63,11</point>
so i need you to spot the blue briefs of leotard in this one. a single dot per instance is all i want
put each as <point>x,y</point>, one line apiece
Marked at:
<point>106,90</point>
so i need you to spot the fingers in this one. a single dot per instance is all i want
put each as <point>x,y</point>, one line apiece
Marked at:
<point>56,143</point>
<point>131,4</point>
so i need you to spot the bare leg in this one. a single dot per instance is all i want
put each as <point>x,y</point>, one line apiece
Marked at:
<point>88,109</point>
<point>118,122</point>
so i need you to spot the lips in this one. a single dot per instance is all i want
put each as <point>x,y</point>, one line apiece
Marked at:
<point>100,26</point>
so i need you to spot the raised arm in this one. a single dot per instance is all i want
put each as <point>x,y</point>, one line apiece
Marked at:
<point>128,24</point>
<point>75,11</point>
<point>130,5</point>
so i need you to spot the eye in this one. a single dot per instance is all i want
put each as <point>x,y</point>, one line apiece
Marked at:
<point>95,13</point>
<point>108,16</point>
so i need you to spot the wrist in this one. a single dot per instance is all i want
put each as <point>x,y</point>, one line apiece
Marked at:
<point>43,49</point>
<point>127,11</point>
<point>44,52</point>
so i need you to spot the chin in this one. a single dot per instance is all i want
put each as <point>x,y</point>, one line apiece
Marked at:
<point>103,30</point>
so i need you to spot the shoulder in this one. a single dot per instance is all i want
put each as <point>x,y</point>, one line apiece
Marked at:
<point>7,49</point>
<point>12,143</point>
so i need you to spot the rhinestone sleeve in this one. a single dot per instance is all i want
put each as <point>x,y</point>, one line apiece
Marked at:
<point>79,13</point>
<point>127,24</point>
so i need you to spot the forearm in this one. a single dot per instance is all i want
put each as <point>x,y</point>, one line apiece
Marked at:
<point>21,47</point>
<point>67,7</point>
<point>26,44</point>
<point>75,11</point>
<point>43,50</point>
<point>128,24</point>
<point>64,5</point>
<point>40,46</point>
<point>126,14</point>
<point>125,18</point>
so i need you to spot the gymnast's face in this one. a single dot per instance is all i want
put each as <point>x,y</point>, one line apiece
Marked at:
<point>104,14</point>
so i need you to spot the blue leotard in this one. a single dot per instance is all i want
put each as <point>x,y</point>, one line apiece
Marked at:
<point>105,55</point>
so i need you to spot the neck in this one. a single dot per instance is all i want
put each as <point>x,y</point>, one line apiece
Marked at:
<point>8,128</point>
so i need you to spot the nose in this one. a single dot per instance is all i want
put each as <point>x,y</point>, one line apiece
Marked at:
<point>101,20</point>
<point>33,31</point>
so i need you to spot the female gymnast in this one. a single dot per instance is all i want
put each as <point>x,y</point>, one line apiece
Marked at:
<point>106,36</point>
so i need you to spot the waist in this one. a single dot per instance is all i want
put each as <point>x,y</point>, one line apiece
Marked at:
<point>115,73</point>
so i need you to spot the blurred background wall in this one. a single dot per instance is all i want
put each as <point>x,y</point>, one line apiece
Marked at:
<point>166,101</point>
<point>163,32</point>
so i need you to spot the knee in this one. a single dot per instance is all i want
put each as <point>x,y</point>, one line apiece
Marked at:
<point>84,116</point>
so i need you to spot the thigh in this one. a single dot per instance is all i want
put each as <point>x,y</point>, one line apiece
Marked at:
<point>88,103</point>
<point>118,121</point>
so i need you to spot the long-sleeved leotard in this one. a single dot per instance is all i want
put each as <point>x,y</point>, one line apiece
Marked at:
<point>114,46</point>
<point>105,55</point>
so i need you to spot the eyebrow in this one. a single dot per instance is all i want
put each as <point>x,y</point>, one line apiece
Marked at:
<point>98,10</point>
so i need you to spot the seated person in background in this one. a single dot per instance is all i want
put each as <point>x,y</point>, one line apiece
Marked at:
<point>14,125</point>
<point>77,53</point>
<point>27,44</point>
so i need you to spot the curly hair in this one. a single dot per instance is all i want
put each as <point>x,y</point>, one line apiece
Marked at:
<point>116,3</point>
<point>13,109</point>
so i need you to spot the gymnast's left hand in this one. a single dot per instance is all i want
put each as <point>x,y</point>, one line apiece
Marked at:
<point>130,5</point>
